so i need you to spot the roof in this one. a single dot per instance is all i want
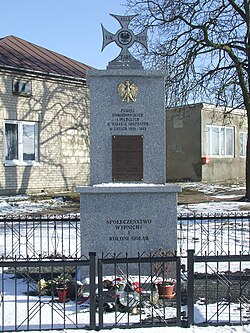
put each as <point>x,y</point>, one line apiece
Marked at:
<point>20,54</point>
<point>210,107</point>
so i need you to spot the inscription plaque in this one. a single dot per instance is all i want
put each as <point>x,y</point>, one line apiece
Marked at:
<point>127,158</point>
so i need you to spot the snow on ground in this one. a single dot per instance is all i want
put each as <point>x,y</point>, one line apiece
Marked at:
<point>214,207</point>
<point>213,188</point>
<point>224,193</point>
<point>194,329</point>
<point>46,307</point>
<point>24,205</point>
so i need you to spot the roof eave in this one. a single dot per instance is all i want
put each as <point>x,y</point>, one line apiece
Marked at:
<point>52,75</point>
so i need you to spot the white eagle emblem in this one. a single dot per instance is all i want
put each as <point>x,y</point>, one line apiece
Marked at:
<point>127,91</point>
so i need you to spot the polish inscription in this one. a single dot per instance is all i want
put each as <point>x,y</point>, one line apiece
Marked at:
<point>128,120</point>
<point>129,229</point>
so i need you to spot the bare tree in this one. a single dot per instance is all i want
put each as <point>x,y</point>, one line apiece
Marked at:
<point>205,47</point>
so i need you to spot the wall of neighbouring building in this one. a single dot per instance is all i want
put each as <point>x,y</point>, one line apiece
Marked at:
<point>223,168</point>
<point>183,135</point>
<point>187,156</point>
<point>60,108</point>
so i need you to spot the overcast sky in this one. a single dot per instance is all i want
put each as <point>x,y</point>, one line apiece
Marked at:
<point>69,27</point>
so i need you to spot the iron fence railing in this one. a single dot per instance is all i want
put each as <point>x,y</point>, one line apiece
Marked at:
<point>72,293</point>
<point>54,236</point>
<point>218,289</point>
<point>212,234</point>
<point>121,291</point>
<point>37,249</point>
<point>40,236</point>
<point>141,292</point>
<point>44,294</point>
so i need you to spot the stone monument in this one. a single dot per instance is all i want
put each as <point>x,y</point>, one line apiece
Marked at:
<point>127,207</point>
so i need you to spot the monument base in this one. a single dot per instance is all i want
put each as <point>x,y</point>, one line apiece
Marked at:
<point>128,218</point>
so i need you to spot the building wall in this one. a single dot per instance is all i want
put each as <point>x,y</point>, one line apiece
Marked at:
<point>223,168</point>
<point>183,143</point>
<point>187,157</point>
<point>60,108</point>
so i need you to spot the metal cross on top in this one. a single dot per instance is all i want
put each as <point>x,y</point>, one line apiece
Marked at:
<point>124,38</point>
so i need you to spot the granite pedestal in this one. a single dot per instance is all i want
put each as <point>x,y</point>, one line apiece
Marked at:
<point>128,219</point>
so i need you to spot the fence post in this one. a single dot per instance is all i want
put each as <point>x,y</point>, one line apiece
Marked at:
<point>100,292</point>
<point>92,275</point>
<point>190,288</point>
<point>178,291</point>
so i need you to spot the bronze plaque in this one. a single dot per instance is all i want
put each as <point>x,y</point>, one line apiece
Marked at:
<point>127,158</point>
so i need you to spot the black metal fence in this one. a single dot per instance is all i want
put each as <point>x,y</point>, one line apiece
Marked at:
<point>40,236</point>
<point>54,236</point>
<point>47,294</point>
<point>213,234</point>
<point>44,294</point>
<point>45,283</point>
<point>218,289</point>
<point>141,293</point>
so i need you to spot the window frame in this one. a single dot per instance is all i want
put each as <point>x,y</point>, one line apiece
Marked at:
<point>244,145</point>
<point>20,143</point>
<point>222,141</point>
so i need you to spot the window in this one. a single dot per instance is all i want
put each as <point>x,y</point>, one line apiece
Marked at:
<point>21,87</point>
<point>20,142</point>
<point>243,144</point>
<point>219,141</point>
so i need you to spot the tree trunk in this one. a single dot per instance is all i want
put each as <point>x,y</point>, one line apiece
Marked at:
<point>248,158</point>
